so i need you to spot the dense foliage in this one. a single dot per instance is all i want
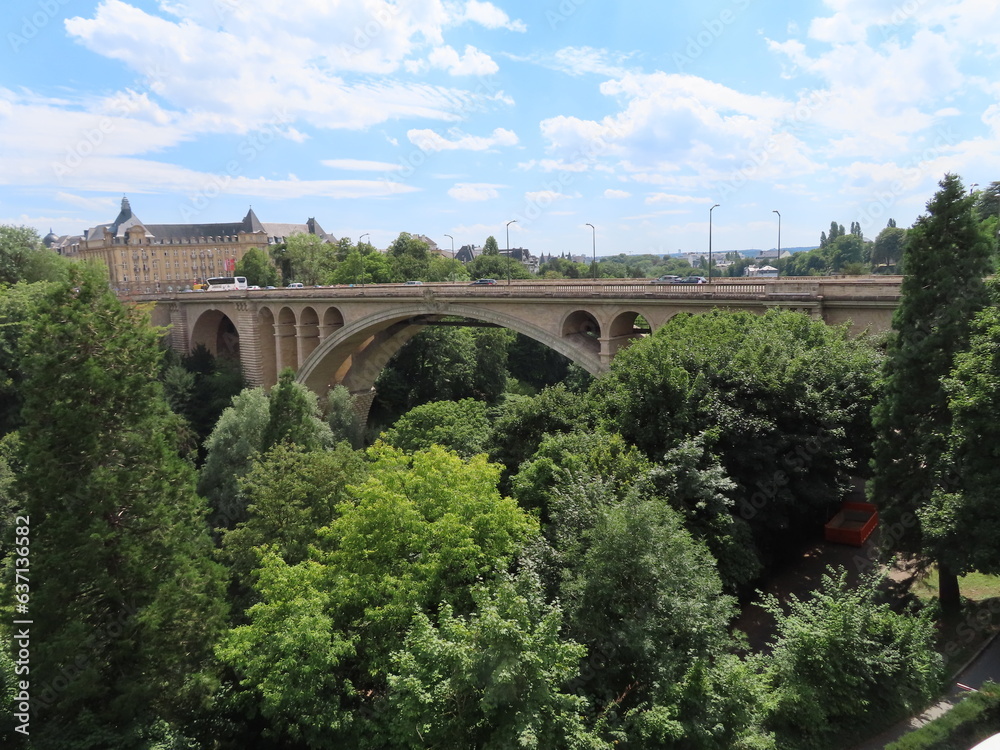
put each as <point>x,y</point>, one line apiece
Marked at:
<point>526,558</point>
<point>783,401</point>
<point>946,260</point>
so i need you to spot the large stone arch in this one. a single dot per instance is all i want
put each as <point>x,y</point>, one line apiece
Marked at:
<point>217,332</point>
<point>355,353</point>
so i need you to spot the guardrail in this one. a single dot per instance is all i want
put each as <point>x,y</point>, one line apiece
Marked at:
<point>804,288</point>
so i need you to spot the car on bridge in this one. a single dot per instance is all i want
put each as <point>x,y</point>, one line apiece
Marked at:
<point>693,280</point>
<point>413,283</point>
<point>668,279</point>
<point>296,285</point>
<point>483,282</point>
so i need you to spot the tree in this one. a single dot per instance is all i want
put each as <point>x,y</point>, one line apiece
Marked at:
<point>125,599</point>
<point>521,422</point>
<point>497,267</point>
<point>310,259</point>
<point>17,306</point>
<point>257,268</point>
<point>945,260</point>
<point>491,247</point>
<point>461,426</point>
<point>345,424</point>
<point>294,416</point>
<point>642,594</point>
<point>24,258</point>
<point>841,660</point>
<point>495,679</point>
<point>961,522</point>
<point>229,454</point>
<point>785,400</point>
<point>290,494</point>
<point>417,533</point>
<point>888,249</point>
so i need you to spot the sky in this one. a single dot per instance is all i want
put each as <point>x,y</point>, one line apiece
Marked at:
<point>441,117</point>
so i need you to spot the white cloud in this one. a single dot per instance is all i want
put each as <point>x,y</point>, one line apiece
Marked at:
<point>325,64</point>
<point>580,60</point>
<point>472,62</point>
<point>670,198</point>
<point>428,140</point>
<point>362,165</point>
<point>488,15</point>
<point>617,194</point>
<point>545,197</point>
<point>474,191</point>
<point>840,28</point>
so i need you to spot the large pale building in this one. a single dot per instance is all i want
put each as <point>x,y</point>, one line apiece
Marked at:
<point>148,258</point>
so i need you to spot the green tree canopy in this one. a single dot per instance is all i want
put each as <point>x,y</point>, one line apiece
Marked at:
<point>418,532</point>
<point>787,400</point>
<point>310,259</point>
<point>461,426</point>
<point>124,593</point>
<point>841,662</point>
<point>24,258</point>
<point>945,261</point>
<point>257,268</point>
<point>491,247</point>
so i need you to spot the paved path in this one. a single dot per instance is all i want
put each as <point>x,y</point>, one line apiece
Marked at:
<point>985,667</point>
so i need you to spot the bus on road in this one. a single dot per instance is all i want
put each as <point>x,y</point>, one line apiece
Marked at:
<point>227,284</point>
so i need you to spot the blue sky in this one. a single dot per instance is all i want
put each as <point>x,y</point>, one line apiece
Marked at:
<point>439,117</point>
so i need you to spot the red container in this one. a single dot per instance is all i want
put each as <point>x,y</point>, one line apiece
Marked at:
<point>853,524</point>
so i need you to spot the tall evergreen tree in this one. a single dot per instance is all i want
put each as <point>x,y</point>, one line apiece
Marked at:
<point>125,599</point>
<point>945,259</point>
<point>491,247</point>
<point>295,416</point>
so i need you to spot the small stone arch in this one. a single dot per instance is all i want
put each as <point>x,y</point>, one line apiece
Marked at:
<point>284,339</point>
<point>307,333</point>
<point>269,361</point>
<point>623,330</point>
<point>217,333</point>
<point>583,329</point>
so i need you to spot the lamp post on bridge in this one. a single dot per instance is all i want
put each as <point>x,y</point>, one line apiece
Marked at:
<point>361,257</point>
<point>710,241</point>
<point>778,257</point>
<point>593,265</point>
<point>512,221</point>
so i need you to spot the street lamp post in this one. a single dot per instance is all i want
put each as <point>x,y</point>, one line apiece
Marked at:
<point>710,241</point>
<point>512,221</point>
<point>593,265</point>
<point>361,257</point>
<point>452,254</point>
<point>779,232</point>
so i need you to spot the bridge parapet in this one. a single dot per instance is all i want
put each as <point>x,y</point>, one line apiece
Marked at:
<point>346,334</point>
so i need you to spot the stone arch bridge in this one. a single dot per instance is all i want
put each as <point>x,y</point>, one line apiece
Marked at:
<point>346,335</point>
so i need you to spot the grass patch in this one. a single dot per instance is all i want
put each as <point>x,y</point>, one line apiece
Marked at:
<point>975,586</point>
<point>971,721</point>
